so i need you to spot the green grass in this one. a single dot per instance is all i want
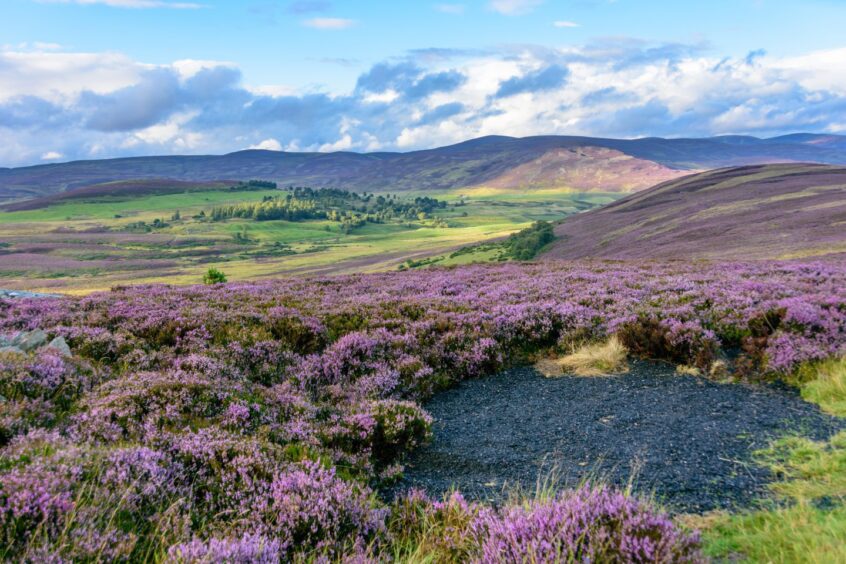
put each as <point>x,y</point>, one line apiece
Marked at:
<point>247,250</point>
<point>133,209</point>
<point>828,388</point>
<point>806,519</point>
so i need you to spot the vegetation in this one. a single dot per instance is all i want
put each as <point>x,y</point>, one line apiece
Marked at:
<point>609,357</point>
<point>195,424</point>
<point>83,246</point>
<point>807,520</point>
<point>214,276</point>
<point>526,244</point>
<point>348,208</point>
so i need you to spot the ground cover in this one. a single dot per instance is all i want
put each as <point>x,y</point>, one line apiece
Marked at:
<point>259,419</point>
<point>81,245</point>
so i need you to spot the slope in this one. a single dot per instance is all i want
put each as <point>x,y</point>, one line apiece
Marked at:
<point>767,211</point>
<point>478,162</point>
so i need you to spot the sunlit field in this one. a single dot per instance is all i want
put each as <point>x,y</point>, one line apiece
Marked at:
<point>80,246</point>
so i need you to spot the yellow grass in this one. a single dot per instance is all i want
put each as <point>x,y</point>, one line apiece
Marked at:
<point>688,370</point>
<point>597,359</point>
<point>828,388</point>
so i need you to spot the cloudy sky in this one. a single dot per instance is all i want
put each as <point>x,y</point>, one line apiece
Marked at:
<point>86,79</point>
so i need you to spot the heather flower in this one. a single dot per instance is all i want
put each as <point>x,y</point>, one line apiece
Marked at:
<point>36,498</point>
<point>590,524</point>
<point>207,402</point>
<point>310,506</point>
<point>248,549</point>
<point>141,476</point>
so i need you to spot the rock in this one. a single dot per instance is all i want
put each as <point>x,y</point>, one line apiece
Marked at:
<point>59,344</point>
<point>30,341</point>
<point>18,294</point>
<point>11,350</point>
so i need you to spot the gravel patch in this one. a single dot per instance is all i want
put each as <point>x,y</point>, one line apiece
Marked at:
<point>688,441</point>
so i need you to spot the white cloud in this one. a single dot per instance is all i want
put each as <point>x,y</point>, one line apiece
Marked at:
<point>136,4</point>
<point>329,23</point>
<point>52,156</point>
<point>84,105</point>
<point>270,144</point>
<point>385,97</point>
<point>190,67</point>
<point>565,24</point>
<point>514,7</point>
<point>55,76</point>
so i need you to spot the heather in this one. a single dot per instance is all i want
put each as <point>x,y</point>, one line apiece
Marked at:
<point>256,422</point>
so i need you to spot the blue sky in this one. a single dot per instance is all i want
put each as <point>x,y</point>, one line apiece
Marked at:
<point>102,78</point>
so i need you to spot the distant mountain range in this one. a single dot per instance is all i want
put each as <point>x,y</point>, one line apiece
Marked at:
<point>755,212</point>
<point>580,163</point>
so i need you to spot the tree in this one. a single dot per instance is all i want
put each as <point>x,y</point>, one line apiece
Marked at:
<point>214,276</point>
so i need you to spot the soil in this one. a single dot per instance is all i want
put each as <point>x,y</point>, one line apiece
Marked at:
<point>685,440</point>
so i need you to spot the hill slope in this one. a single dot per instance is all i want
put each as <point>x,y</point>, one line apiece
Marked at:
<point>767,211</point>
<point>582,163</point>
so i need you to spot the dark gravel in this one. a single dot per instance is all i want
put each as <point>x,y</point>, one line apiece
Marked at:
<point>686,440</point>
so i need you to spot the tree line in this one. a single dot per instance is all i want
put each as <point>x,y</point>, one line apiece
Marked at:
<point>351,209</point>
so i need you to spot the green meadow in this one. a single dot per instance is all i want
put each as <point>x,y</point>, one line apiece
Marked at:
<point>80,246</point>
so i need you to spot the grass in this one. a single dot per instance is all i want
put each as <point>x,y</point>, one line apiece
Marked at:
<point>806,519</point>
<point>83,230</point>
<point>598,359</point>
<point>828,388</point>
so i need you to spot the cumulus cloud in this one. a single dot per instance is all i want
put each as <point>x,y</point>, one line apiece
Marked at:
<point>268,145</point>
<point>96,105</point>
<point>542,79</point>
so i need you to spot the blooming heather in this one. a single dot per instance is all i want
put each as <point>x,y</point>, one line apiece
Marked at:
<point>585,525</point>
<point>254,421</point>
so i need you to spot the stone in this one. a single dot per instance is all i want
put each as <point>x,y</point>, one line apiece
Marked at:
<point>59,344</point>
<point>11,350</point>
<point>31,340</point>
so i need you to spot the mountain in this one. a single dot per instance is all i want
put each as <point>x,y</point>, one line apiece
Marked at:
<point>752,212</point>
<point>581,163</point>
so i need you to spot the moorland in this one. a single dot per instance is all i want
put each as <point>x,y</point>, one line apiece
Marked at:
<point>694,333</point>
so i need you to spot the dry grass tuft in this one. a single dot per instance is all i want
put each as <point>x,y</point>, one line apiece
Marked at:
<point>598,359</point>
<point>688,370</point>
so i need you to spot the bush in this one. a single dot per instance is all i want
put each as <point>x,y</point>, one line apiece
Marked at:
<point>591,524</point>
<point>525,244</point>
<point>214,276</point>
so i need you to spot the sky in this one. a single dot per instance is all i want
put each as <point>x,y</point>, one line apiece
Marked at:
<point>88,79</point>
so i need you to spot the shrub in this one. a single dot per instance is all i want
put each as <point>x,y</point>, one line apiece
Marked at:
<point>311,508</point>
<point>525,244</point>
<point>401,426</point>
<point>214,276</point>
<point>248,549</point>
<point>590,524</point>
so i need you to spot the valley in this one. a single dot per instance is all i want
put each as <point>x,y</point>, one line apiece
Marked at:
<point>107,238</point>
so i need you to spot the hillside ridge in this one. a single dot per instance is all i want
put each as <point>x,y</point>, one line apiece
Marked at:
<point>476,162</point>
<point>781,211</point>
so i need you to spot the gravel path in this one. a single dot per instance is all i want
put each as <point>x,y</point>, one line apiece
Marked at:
<point>686,440</point>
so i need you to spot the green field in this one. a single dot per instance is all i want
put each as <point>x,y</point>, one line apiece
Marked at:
<point>83,245</point>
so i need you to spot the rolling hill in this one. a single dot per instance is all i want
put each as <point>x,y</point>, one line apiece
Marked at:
<point>752,212</point>
<point>580,163</point>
